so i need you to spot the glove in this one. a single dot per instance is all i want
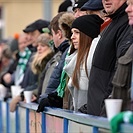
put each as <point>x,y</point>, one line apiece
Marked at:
<point>44,102</point>
<point>83,109</point>
<point>55,100</point>
<point>123,117</point>
<point>52,100</point>
<point>14,102</point>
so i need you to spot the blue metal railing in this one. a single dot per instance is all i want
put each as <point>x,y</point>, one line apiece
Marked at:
<point>17,120</point>
<point>65,116</point>
<point>1,119</point>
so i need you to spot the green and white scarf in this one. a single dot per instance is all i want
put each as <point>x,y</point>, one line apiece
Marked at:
<point>23,60</point>
<point>62,85</point>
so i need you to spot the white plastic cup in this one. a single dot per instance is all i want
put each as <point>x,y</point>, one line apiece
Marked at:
<point>16,90</point>
<point>3,91</point>
<point>113,107</point>
<point>28,96</point>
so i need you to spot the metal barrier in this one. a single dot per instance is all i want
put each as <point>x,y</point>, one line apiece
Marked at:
<point>52,120</point>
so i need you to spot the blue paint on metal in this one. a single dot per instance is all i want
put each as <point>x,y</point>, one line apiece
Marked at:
<point>43,123</point>
<point>17,120</point>
<point>27,121</point>
<point>65,125</point>
<point>7,118</point>
<point>83,119</point>
<point>95,129</point>
<point>1,128</point>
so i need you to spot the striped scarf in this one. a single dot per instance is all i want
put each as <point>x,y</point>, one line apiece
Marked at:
<point>23,60</point>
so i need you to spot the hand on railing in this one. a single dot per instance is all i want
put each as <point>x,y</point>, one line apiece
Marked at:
<point>53,100</point>
<point>44,102</point>
<point>14,102</point>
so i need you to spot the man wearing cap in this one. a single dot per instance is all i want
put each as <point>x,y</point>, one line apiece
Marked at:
<point>113,44</point>
<point>96,7</point>
<point>34,29</point>
<point>76,8</point>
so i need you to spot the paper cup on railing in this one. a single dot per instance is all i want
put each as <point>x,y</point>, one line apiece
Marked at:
<point>16,90</point>
<point>113,107</point>
<point>28,96</point>
<point>3,91</point>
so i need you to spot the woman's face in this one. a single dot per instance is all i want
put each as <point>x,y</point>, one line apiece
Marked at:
<point>41,48</point>
<point>75,37</point>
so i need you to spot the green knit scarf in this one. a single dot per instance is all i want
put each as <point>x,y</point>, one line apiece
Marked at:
<point>62,85</point>
<point>24,57</point>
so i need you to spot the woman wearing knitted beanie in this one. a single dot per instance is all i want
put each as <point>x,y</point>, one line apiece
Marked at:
<point>84,30</point>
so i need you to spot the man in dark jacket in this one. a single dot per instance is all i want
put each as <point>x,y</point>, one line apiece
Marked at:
<point>32,32</point>
<point>122,78</point>
<point>49,97</point>
<point>114,42</point>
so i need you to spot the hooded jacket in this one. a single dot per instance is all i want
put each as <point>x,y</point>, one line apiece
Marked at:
<point>114,42</point>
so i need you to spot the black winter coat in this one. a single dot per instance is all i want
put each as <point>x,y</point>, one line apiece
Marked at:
<point>114,42</point>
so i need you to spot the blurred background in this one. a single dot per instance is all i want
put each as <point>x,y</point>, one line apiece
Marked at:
<point>15,15</point>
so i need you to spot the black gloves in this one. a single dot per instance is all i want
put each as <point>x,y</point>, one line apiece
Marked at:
<point>44,102</point>
<point>53,100</point>
<point>83,109</point>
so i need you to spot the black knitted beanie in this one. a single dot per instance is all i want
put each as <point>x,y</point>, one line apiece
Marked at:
<point>88,24</point>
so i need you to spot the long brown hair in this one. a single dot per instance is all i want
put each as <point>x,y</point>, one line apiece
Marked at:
<point>83,51</point>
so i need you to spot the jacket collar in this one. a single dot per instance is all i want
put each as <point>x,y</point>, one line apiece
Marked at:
<point>64,45</point>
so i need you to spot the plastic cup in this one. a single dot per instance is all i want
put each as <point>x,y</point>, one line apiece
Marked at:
<point>16,90</point>
<point>113,107</point>
<point>28,96</point>
<point>3,91</point>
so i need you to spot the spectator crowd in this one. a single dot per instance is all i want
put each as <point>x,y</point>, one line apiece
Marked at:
<point>76,61</point>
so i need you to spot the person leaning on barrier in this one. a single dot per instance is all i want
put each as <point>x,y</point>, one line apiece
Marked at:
<point>12,75</point>
<point>41,57</point>
<point>122,78</point>
<point>65,23</point>
<point>95,7</point>
<point>122,81</point>
<point>84,30</point>
<point>49,98</point>
<point>114,42</point>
